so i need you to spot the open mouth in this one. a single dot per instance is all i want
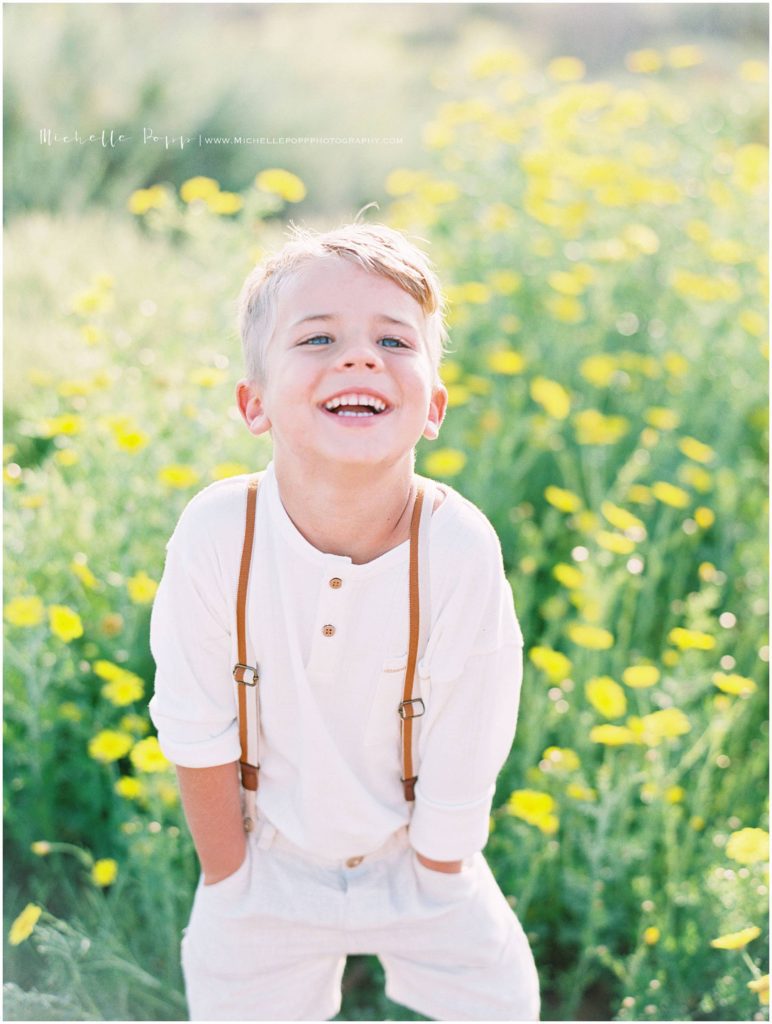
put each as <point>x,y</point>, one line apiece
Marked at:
<point>355,406</point>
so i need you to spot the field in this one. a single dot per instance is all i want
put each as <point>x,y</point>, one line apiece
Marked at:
<point>603,249</point>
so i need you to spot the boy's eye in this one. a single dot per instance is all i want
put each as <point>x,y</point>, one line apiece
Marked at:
<point>326,337</point>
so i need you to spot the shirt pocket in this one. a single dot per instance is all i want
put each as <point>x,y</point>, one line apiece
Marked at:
<point>383,734</point>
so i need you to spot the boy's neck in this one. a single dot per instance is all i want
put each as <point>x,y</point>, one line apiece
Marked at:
<point>344,514</point>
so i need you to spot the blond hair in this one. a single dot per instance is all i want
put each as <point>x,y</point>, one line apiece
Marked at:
<point>375,247</point>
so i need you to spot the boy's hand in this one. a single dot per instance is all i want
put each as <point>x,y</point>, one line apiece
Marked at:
<point>212,802</point>
<point>450,867</point>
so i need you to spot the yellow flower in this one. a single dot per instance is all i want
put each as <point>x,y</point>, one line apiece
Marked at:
<point>577,792</point>
<point>611,735</point>
<point>704,517</point>
<point>224,202</point>
<point>104,872</point>
<point>651,935</point>
<point>640,676</point>
<point>445,462</point>
<point>761,987</point>
<point>748,846</point>
<point>41,847</point>
<point>144,199</point>
<point>552,396</point>
<point>178,476</point>
<point>661,418</point>
<point>129,787</point>
<point>643,61</point>
<point>141,588</point>
<point>207,376</point>
<point>561,759</point>
<point>669,494</point>
<point>64,622</point>
<point>616,542</point>
<point>659,725</point>
<point>606,696</point>
<point>134,723</point>
<point>198,188</point>
<point>736,940</point>
<point>568,575</point>
<point>24,924</point>
<point>685,56</point>
<point>505,282</point>
<point>130,440</point>
<point>124,689</point>
<point>751,164</point>
<point>281,183</point>
<point>534,807</point>
<point>505,361</point>
<point>55,426</point>
<point>565,501</point>
<point>565,308</point>
<point>66,457</point>
<point>694,449</point>
<point>566,69</point>
<point>24,611</point>
<point>109,745</point>
<point>598,369</point>
<point>85,575</point>
<point>738,686</point>
<point>675,794</point>
<point>592,427</point>
<point>621,518</point>
<point>556,665</point>
<point>593,637</point>
<point>691,639</point>
<point>146,756</point>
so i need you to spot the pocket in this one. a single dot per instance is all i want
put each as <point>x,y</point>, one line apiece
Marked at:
<point>444,886</point>
<point>383,733</point>
<point>233,885</point>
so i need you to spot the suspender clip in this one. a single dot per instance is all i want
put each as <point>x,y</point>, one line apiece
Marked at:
<point>413,714</point>
<point>246,668</point>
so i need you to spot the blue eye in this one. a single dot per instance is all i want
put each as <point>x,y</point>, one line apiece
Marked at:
<point>326,337</point>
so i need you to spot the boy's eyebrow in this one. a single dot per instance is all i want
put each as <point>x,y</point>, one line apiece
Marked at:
<point>334,316</point>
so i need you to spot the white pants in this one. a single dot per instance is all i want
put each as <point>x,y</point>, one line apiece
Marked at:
<point>270,941</point>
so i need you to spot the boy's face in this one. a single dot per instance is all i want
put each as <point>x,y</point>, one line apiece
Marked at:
<point>353,348</point>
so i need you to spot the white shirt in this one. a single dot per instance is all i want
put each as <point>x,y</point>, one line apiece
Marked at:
<point>330,746</point>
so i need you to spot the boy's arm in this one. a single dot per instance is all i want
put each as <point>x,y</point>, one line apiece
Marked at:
<point>212,804</point>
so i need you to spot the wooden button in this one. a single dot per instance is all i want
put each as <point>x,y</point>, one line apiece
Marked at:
<point>328,630</point>
<point>336,582</point>
<point>353,861</point>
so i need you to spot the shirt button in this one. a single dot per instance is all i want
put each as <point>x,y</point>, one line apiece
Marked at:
<point>336,582</point>
<point>353,861</point>
<point>328,630</point>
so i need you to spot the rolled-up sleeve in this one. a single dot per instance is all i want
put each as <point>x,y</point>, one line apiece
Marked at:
<point>193,706</point>
<point>467,731</point>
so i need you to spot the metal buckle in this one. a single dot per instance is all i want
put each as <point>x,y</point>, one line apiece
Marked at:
<point>247,668</point>
<point>415,700</point>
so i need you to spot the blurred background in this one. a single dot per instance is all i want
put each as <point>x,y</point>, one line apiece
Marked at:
<point>590,181</point>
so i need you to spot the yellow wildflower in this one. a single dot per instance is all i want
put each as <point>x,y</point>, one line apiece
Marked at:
<point>505,361</point>
<point>85,575</point>
<point>445,462</point>
<point>129,787</point>
<point>691,639</point>
<point>505,282</point>
<point>282,183</point>
<point>737,685</point>
<point>578,792</point>
<point>592,427</point>
<point>224,202</point>
<point>109,745</point>
<point>651,729</point>
<point>675,794</point>
<point>556,665</point>
<point>131,440</point>
<point>598,369</point>
<point>621,518</point>
<point>178,476</point>
<point>640,676</point>
<point>56,426</point>
<point>661,418</point>
<point>566,69</point>
<point>123,690</point>
<point>199,187</point>
<point>606,696</point>
<point>736,940</point>
<point>134,723</point>
<point>207,376</point>
<point>704,517</point>
<point>651,935</point>
<point>669,494</point>
<point>24,611</point>
<point>552,396</point>
<point>24,924</point>
<point>748,846</point>
<point>565,501</point>
<point>643,61</point>
<point>568,575</point>
<point>41,847</point>
<point>144,199</point>
<point>104,872</point>
<point>696,450</point>
<point>751,163</point>
<point>761,987</point>
<point>593,637</point>
<point>146,756</point>
<point>686,56</point>
<point>534,807</point>
<point>616,542</point>
<point>561,759</point>
<point>611,735</point>
<point>64,622</point>
<point>141,588</point>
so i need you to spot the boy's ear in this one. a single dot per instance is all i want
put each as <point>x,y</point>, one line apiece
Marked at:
<point>437,408</point>
<point>250,405</point>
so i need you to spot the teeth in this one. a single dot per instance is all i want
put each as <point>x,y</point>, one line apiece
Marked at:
<point>355,399</point>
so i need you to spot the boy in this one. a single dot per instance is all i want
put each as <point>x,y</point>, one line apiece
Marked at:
<point>342,336</point>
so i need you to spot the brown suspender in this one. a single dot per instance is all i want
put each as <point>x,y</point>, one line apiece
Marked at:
<point>248,676</point>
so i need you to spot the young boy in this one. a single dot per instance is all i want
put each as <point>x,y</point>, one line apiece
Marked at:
<point>342,335</point>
